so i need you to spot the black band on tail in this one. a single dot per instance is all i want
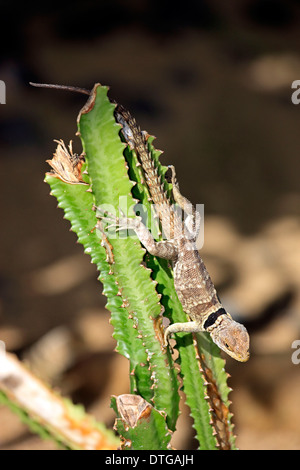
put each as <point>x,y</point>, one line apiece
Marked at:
<point>212,318</point>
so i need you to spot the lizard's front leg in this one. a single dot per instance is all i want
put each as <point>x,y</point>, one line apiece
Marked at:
<point>187,327</point>
<point>162,249</point>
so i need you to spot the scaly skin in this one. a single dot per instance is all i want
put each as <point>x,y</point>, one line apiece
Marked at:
<point>192,281</point>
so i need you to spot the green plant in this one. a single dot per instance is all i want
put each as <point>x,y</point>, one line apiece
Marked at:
<point>139,288</point>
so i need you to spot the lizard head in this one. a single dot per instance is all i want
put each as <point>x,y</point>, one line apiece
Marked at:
<point>231,337</point>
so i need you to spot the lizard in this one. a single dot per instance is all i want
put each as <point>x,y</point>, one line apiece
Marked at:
<point>192,282</point>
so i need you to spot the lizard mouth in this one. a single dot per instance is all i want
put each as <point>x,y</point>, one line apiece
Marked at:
<point>241,358</point>
<point>239,353</point>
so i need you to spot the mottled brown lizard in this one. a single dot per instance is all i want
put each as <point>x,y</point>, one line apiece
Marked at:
<point>192,281</point>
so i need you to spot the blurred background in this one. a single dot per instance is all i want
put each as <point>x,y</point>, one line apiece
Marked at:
<point>212,80</point>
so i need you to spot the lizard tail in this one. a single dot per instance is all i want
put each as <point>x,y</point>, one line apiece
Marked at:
<point>138,141</point>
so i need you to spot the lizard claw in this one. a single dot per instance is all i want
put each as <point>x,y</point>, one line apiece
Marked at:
<point>166,343</point>
<point>173,177</point>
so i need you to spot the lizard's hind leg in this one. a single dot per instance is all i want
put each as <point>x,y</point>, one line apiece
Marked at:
<point>166,249</point>
<point>192,221</point>
<point>182,201</point>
